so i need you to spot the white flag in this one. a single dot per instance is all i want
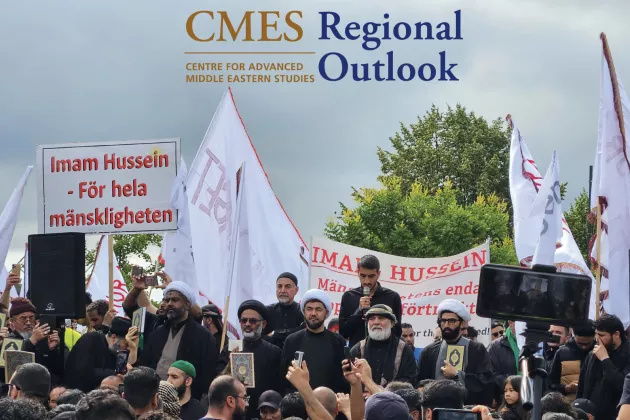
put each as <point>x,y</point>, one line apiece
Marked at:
<point>9,216</point>
<point>547,210</point>
<point>525,182</point>
<point>177,250</point>
<point>98,284</point>
<point>211,189</point>
<point>611,188</point>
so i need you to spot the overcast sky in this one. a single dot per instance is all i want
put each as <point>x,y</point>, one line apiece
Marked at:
<point>76,71</point>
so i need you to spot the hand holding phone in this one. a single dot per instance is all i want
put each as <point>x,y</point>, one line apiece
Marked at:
<point>454,414</point>
<point>298,357</point>
<point>121,361</point>
<point>349,358</point>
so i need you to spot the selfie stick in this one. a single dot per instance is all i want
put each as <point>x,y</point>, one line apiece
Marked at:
<point>532,365</point>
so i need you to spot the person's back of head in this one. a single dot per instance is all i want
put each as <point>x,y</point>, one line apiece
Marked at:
<point>557,416</point>
<point>221,388</point>
<point>327,398</point>
<point>412,398</point>
<point>293,405</point>
<point>70,396</point>
<point>32,380</point>
<point>25,409</point>
<point>396,385</point>
<point>554,402</point>
<point>104,404</point>
<point>141,387</point>
<point>61,409</point>
<point>442,393</point>
<point>157,415</point>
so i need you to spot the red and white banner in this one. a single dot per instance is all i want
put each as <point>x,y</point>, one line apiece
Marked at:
<point>422,283</point>
<point>98,282</point>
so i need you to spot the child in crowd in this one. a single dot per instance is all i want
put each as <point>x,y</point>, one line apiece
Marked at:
<point>512,398</point>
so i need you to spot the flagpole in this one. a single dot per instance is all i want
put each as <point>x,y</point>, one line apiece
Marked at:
<point>598,272</point>
<point>235,234</point>
<point>110,251</point>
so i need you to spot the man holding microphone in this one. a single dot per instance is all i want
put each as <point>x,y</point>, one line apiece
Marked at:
<point>355,302</point>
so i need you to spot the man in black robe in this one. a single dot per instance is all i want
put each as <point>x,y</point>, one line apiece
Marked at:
<point>457,358</point>
<point>323,349</point>
<point>253,317</point>
<point>213,321</point>
<point>355,303</point>
<point>93,357</point>
<point>182,338</point>
<point>390,358</point>
<point>285,317</point>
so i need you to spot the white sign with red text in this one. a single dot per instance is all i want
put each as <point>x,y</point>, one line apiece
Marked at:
<point>112,187</point>
<point>422,283</point>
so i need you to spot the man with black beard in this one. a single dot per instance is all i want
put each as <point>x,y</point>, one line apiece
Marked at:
<point>93,357</point>
<point>390,358</point>
<point>457,358</point>
<point>603,372</point>
<point>181,375</point>
<point>213,321</point>
<point>323,349</point>
<point>253,317</point>
<point>285,317</point>
<point>182,338</point>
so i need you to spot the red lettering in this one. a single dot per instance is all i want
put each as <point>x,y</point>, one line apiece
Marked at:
<point>323,285</point>
<point>398,272</point>
<point>431,271</point>
<point>449,290</point>
<point>479,259</point>
<point>443,269</point>
<point>156,216</point>
<point>453,266</point>
<point>412,275</point>
<point>139,217</point>
<point>315,252</point>
<point>329,259</point>
<point>148,162</point>
<point>345,264</point>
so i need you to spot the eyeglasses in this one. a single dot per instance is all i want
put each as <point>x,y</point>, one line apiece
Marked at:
<point>451,321</point>
<point>497,334</point>
<point>245,398</point>
<point>25,319</point>
<point>252,321</point>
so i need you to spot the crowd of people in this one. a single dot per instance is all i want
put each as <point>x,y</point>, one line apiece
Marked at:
<point>362,365</point>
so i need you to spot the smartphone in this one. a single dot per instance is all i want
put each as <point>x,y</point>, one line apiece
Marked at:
<point>151,281</point>
<point>521,294</point>
<point>137,271</point>
<point>299,357</point>
<point>51,320</point>
<point>454,414</point>
<point>349,358</point>
<point>121,361</point>
<point>16,269</point>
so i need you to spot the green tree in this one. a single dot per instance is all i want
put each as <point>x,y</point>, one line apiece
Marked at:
<point>576,219</point>
<point>454,145</point>
<point>423,223</point>
<point>126,246</point>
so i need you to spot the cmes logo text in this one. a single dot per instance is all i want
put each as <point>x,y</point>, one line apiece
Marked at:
<point>269,22</point>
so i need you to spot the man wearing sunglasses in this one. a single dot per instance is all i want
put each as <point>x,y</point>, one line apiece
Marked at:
<point>457,358</point>
<point>497,330</point>
<point>253,317</point>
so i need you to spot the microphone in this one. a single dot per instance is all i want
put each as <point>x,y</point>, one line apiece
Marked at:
<point>366,293</point>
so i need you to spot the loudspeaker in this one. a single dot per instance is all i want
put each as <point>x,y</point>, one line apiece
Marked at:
<point>56,271</point>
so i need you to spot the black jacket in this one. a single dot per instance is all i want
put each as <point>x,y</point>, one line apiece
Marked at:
<point>266,371</point>
<point>351,323</point>
<point>284,320</point>
<point>503,364</point>
<point>407,371</point>
<point>89,362</point>
<point>567,353</point>
<point>602,381</point>
<point>197,347</point>
<point>52,359</point>
<point>332,377</point>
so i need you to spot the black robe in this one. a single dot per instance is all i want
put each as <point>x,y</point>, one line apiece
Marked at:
<point>323,354</point>
<point>284,320</point>
<point>51,359</point>
<point>478,372</point>
<point>380,355</point>
<point>197,347</point>
<point>266,370</point>
<point>89,362</point>
<point>224,355</point>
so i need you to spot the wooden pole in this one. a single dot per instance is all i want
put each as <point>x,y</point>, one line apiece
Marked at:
<point>598,272</point>
<point>226,312</point>
<point>110,251</point>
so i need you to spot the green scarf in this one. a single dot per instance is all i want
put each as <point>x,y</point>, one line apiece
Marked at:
<point>514,346</point>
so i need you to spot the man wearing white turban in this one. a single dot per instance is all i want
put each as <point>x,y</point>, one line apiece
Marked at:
<point>323,349</point>
<point>457,358</point>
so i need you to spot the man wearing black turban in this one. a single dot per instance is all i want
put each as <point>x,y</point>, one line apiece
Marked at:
<point>253,317</point>
<point>285,317</point>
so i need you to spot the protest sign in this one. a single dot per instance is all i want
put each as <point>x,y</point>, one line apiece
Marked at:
<point>112,187</point>
<point>422,283</point>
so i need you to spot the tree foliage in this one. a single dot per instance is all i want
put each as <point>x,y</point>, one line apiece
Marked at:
<point>576,219</point>
<point>413,221</point>
<point>454,145</point>
<point>127,246</point>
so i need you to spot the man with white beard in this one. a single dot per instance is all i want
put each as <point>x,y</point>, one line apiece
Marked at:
<point>457,358</point>
<point>253,317</point>
<point>390,358</point>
